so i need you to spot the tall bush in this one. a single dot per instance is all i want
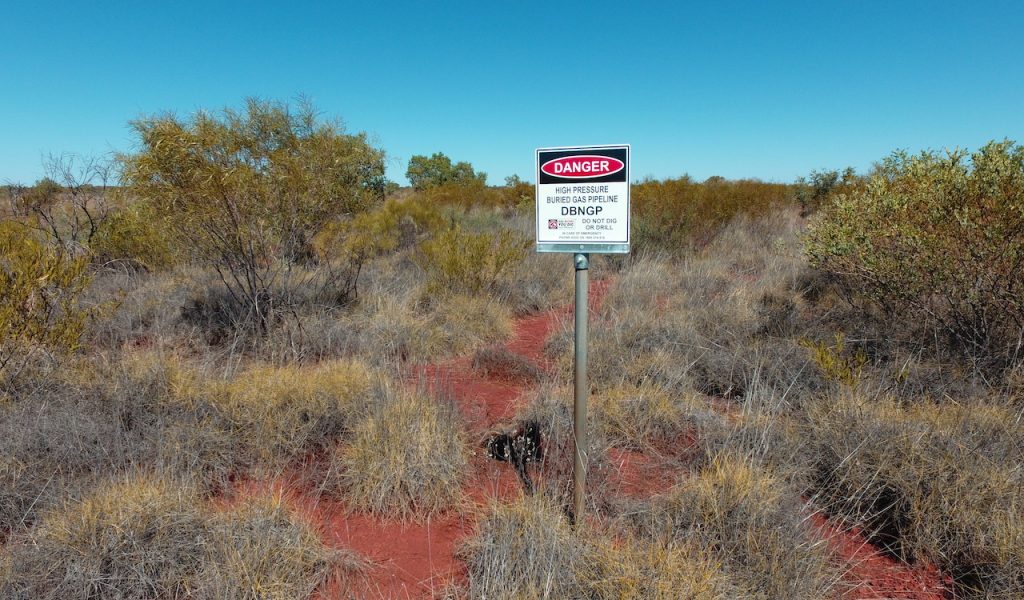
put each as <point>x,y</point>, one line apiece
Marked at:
<point>246,191</point>
<point>459,261</point>
<point>938,240</point>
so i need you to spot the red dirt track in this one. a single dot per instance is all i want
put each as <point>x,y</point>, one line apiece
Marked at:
<point>417,560</point>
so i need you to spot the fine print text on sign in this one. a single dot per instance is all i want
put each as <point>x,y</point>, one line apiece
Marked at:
<point>583,199</point>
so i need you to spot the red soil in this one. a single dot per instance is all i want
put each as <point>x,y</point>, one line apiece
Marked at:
<point>873,575</point>
<point>638,475</point>
<point>411,560</point>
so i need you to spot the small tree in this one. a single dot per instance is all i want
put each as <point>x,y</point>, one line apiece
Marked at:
<point>438,170</point>
<point>247,191</point>
<point>70,203</point>
<point>936,240</point>
<point>815,189</point>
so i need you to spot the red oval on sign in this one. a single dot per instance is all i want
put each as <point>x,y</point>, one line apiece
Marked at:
<point>583,166</point>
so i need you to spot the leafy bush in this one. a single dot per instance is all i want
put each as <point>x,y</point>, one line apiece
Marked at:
<point>458,261</point>
<point>459,195</point>
<point>39,291</point>
<point>937,241</point>
<point>820,186</point>
<point>247,192</point>
<point>134,234</point>
<point>345,246</point>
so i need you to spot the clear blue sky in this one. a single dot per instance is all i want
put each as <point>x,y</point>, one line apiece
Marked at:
<point>738,89</point>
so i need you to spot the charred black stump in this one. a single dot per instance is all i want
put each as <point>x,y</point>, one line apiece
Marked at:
<point>520,447</point>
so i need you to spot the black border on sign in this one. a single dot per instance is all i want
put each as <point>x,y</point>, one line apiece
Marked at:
<point>575,246</point>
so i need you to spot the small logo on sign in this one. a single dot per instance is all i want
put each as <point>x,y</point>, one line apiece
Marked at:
<point>552,223</point>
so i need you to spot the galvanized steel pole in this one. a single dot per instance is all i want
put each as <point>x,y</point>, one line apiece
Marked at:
<point>579,424</point>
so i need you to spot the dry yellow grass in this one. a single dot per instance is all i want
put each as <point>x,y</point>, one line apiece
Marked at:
<point>153,537</point>
<point>935,481</point>
<point>528,550</point>
<point>639,416</point>
<point>283,412</point>
<point>753,523</point>
<point>407,459</point>
<point>636,570</point>
<point>136,538</point>
<point>262,550</point>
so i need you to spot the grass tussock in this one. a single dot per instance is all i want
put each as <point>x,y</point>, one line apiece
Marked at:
<point>262,549</point>
<point>133,539</point>
<point>59,437</point>
<point>283,413</point>
<point>152,537</point>
<point>636,570</point>
<point>524,550</point>
<point>752,521</point>
<point>407,459</point>
<point>405,327</point>
<point>928,481</point>
<point>646,416</point>
<point>713,325</point>
<point>528,550</point>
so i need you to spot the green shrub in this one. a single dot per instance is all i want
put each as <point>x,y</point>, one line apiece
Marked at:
<point>343,247</point>
<point>936,240</point>
<point>820,186</point>
<point>134,234</point>
<point>39,291</point>
<point>437,170</point>
<point>458,261</point>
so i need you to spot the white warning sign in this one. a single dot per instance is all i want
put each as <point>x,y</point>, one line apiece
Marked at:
<point>583,199</point>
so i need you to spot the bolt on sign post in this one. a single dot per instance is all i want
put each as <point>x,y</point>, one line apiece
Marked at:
<point>582,208</point>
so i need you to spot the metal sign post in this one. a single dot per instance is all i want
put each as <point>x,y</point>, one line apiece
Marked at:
<point>579,422</point>
<point>582,207</point>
